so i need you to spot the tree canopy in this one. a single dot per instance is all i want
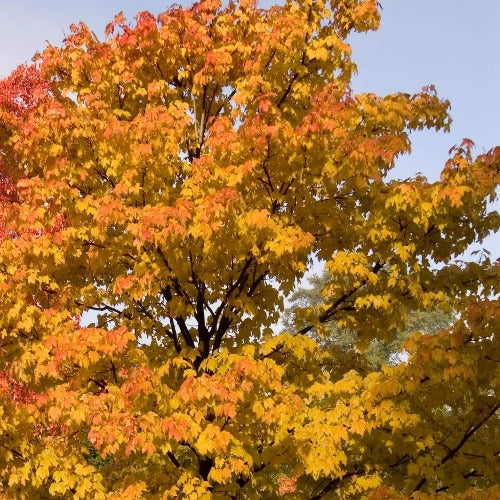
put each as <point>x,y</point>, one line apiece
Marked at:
<point>175,180</point>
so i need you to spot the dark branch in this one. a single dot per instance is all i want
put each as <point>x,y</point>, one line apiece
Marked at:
<point>453,451</point>
<point>330,312</point>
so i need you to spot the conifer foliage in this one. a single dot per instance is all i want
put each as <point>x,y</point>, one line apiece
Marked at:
<point>170,184</point>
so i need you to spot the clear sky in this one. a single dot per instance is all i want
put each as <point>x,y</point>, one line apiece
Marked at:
<point>453,44</point>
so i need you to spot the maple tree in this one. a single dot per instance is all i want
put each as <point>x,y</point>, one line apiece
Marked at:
<point>176,180</point>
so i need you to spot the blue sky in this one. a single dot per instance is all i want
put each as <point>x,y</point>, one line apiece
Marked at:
<point>453,44</point>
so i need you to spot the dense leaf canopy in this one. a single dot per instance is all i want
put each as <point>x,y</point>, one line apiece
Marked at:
<point>171,184</point>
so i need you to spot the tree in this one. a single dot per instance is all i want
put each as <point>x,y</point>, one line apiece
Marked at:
<point>20,93</point>
<point>176,179</point>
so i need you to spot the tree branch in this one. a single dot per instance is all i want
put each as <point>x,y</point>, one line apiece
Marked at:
<point>329,313</point>
<point>468,434</point>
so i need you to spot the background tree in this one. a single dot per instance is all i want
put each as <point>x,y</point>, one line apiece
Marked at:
<point>177,178</point>
<point>376,353</point>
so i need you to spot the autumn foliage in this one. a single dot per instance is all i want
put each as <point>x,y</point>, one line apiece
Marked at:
<point>161,192</point>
